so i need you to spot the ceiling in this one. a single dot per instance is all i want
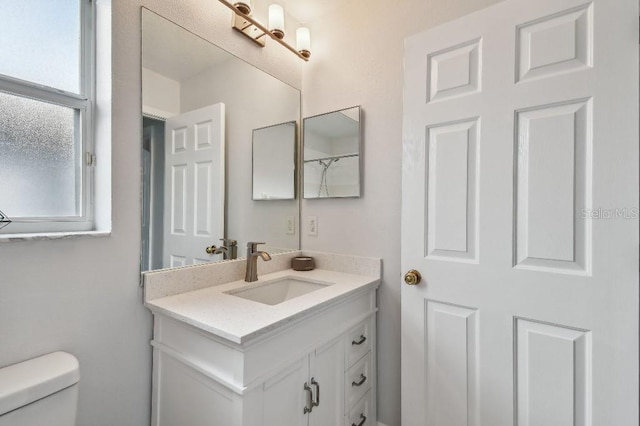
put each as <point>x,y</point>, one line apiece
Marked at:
<point>170,50</point>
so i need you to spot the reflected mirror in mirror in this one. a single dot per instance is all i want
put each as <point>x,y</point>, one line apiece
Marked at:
<point>274,162</point>
<point>200,106</point>
<point>332,154</point>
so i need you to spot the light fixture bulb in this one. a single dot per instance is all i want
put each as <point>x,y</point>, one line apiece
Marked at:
<point>276,20</point>
<point>303,41</point>
<point>243,6</point>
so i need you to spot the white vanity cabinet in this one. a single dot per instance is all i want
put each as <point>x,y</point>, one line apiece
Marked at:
<point>314,369</point>
<point>309,392</point>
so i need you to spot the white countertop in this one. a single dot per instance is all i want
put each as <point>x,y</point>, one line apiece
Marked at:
<point>240,320</point>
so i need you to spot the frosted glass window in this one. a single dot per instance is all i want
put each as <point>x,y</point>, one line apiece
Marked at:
<point>40,170</point>
<point>40,41</point>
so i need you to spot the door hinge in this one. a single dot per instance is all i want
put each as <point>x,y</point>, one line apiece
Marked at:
<point>91,159</point>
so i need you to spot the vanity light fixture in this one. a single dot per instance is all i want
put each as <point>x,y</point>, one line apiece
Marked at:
<point>276,20</point>
<point>303,41</point>
<point>252,28</point>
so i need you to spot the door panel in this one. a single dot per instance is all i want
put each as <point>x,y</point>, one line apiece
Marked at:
<point>285,398</point>
<point>553,162</point>
<point>452,191</point>
<point>327,368</point>
<point>520,197</point>
<point>452,364</point>
<point>552,365</point>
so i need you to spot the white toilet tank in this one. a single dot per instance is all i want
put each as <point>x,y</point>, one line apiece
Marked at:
<point>41,391</point>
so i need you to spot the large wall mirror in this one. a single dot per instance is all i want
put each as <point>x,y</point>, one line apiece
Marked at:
<point>332,154</point>
<point>201,106</point>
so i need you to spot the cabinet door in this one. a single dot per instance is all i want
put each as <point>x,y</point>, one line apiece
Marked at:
<point>285,398</point>
<point>327,370</point>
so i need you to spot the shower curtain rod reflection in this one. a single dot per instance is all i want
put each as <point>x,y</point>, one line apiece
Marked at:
<point>323,178</point>
<point>333,157</point>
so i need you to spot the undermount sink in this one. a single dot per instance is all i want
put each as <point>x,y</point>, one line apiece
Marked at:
<point>278,290</point>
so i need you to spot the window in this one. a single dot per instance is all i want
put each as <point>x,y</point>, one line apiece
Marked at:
<point>46,102</point>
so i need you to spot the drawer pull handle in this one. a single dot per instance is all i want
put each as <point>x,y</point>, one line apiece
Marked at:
<point>363,379</point>
<point>317,385</point>
<point>364,419</point>
<point>359,342</point>
<point>309,405</point>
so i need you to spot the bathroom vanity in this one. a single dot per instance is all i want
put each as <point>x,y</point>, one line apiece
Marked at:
<point>293,348</point>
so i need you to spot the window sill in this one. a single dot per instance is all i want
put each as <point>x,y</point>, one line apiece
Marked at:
<point>53,236</point>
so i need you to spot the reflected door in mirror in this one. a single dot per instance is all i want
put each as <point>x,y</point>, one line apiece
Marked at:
<point>194,185</point>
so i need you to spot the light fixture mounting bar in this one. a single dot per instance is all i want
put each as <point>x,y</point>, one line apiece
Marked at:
<point>255,35</point>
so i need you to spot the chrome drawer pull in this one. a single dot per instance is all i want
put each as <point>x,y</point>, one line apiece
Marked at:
<point>364,419</point>
<point>363,379</point>
<point>317,385</point>
<point>359,342</point>
<point>309,406</point>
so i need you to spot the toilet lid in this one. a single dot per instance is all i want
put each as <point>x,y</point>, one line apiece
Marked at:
<point>29,381</point>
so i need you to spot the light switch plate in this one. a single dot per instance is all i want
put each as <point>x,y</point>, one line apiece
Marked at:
<point>312,226</point>
<point>291,225</point>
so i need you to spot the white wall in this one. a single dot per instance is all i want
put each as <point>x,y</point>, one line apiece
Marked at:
<point>357,60</point>
<point>82,295</point>
<point>161,94</point>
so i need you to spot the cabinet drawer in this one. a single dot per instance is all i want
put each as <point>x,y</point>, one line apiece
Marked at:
<point>362,413</point>
<point>357,381</point>
<point>358,342</point>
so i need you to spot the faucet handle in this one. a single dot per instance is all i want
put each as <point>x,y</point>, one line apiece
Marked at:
<point>229,242</point>
<point>253,245</point>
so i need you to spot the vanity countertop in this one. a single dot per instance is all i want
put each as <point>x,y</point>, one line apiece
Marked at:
<point>240,320</point>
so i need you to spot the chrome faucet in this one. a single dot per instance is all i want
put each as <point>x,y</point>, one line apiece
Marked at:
<point>252,261</point>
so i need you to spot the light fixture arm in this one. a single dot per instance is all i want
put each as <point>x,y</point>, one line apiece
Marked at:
<point>262,28</point>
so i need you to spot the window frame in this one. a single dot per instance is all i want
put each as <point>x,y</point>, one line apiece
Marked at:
<point>83,103</point>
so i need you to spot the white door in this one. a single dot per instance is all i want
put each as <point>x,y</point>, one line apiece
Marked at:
<point>520,196</point>
<point>194,185</point>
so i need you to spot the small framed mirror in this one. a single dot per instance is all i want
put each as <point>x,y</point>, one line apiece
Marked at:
<point>332,154</point>
<point>274,162</point>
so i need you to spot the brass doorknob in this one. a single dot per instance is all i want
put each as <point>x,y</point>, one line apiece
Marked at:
<point>412,277</point>
<point>210,249</point>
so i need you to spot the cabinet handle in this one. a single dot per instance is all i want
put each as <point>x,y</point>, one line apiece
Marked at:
<point>317,385</point>
<point>359,342</point>
<point>364,419</point>
<point>363,379</point>
<point>309,405</point>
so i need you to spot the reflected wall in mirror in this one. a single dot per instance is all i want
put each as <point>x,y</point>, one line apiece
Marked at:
<point>332,154</point>
<point>274,162</point>
<point>200,106</point>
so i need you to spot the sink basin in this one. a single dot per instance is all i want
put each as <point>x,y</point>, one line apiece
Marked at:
<point>278,290</point>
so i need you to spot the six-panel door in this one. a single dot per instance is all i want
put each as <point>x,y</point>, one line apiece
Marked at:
<point>194,185</point>
<point>520,197</point>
